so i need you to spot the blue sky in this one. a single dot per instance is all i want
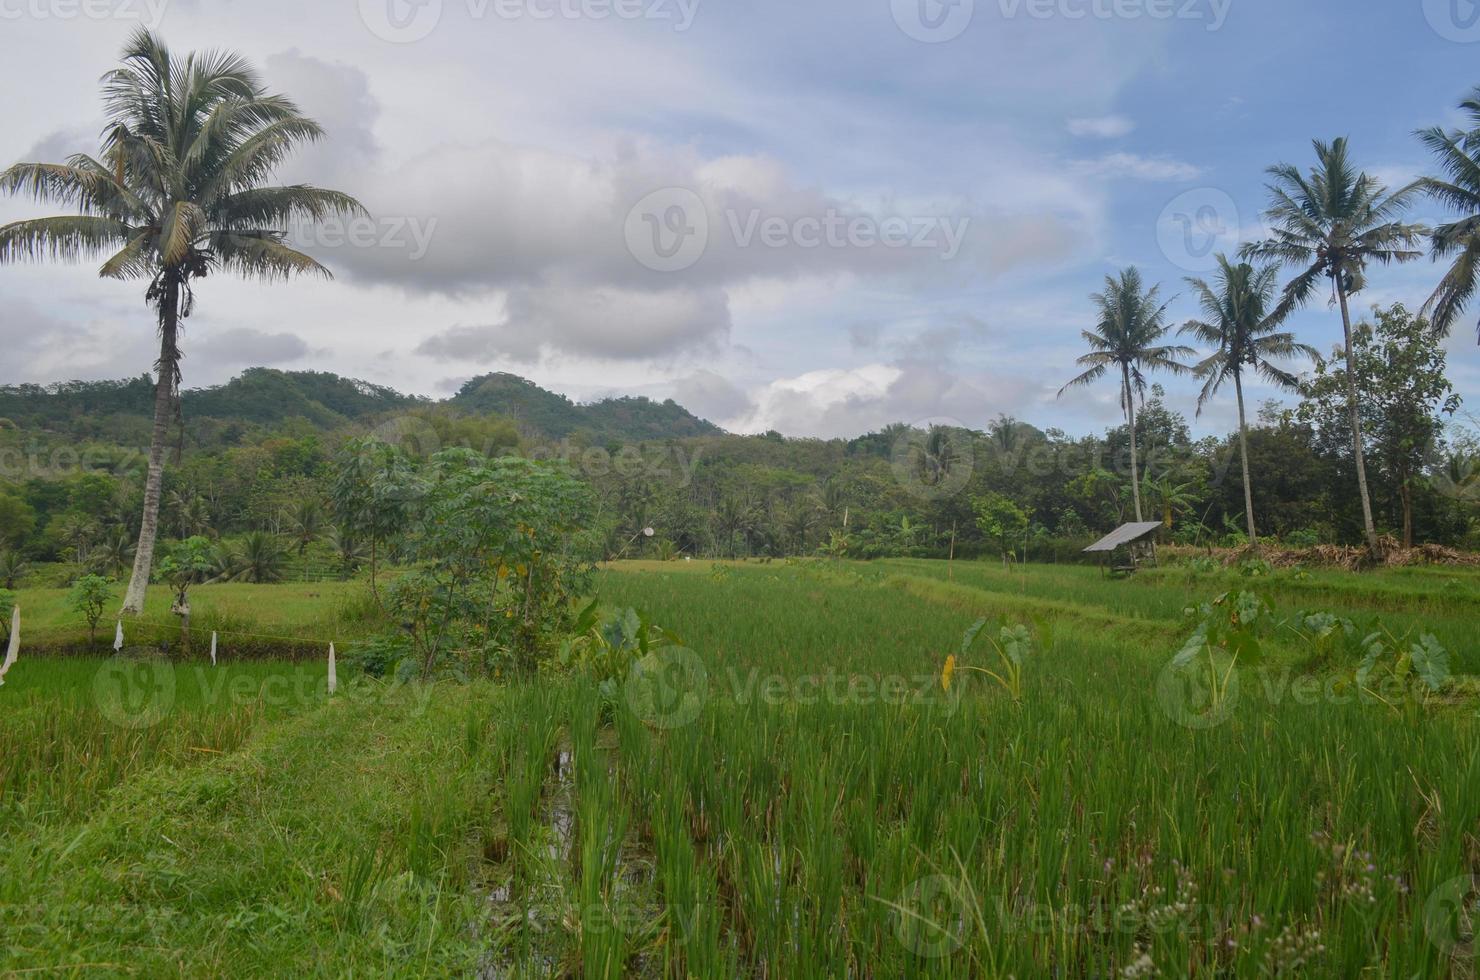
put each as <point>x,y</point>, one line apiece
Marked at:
<point>507,157</point>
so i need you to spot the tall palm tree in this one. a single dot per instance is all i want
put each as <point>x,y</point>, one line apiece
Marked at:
<point>179,190</point>
<point>1126,337</point>
<point>306,523</point>
<point>1458,154</point>
<point>1242,318</point>
<point>1334,221</point>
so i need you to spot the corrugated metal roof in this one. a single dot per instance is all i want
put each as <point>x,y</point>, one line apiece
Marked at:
<point>1123,535</point>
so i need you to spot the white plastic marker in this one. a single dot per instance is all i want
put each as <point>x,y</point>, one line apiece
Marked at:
<point>118,638</point>
<point>213,648</point>
<point>13,653</point>
<point>333,676</point>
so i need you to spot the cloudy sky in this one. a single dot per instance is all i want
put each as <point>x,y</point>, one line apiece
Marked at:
<point>814,216</point>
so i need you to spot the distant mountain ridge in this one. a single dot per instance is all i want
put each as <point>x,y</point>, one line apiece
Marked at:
<point>555,416</point>
<point>265,396</point>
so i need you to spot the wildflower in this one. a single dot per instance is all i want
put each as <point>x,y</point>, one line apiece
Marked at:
<point>945,675</point>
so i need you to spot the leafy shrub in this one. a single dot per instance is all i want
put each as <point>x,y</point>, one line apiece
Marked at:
<point>1304,537</point>
<point>501,551</point>
<point>89,595</point>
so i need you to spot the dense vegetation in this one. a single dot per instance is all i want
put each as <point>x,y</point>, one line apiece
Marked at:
<point>262,455</point>
<point>806,799</point>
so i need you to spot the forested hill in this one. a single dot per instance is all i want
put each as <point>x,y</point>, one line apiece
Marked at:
<point>259,396</point>
<point>264,397</point>
<point>554,416</point>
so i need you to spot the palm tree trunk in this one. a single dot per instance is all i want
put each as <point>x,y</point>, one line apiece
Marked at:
<point>164,391</point>
<point>1407,493</point>
<point>1243,450</point>
<point>1130,413</point>
<point>1369,528</point>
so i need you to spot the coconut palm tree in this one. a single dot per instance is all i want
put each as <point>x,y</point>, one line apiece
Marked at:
<point>258,559</point>
<point>1334,221</point>
<point>179,190</point>
<point>1241,322</point>
<point>192,514</point>
<point>12,568</point>
<point>1168,497</point>
<point>111,555</point>
<point>1126,337</point>
<point>306,523</point>
<point>1458,155</point>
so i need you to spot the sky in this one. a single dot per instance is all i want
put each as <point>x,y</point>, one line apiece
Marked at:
<point>817,217</point>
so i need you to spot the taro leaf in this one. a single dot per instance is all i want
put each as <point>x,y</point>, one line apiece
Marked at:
<point>1375,649</point>
<point>588,617</point>
<point>1248,607</point>
<point>1431,661</point>
<point>631,627</point>
<point>1245,646</point>
<point>972,632</point>
<point>1017,643</point>
<point>1044,628</point>
<point>1194,646</point>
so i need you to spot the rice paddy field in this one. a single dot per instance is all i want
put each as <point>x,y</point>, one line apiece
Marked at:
<point>804,788</point>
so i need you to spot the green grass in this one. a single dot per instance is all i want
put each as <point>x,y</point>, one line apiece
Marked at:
<point>817,807</point>
<point>252,620</point>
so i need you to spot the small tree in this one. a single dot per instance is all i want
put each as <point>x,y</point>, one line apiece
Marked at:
<point>7,603</point>
<point>1002,521</point>
<point>373,496</point>
<point>90,595</point>
<point>188,562</point>
<point>1404,395</point>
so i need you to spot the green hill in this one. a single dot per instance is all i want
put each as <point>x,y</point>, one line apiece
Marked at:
<point>120,410</point>
<point>554,416</point>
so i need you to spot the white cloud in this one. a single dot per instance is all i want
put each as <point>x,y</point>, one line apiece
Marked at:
<point>1136,167</point>
<point>1101,127</point>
